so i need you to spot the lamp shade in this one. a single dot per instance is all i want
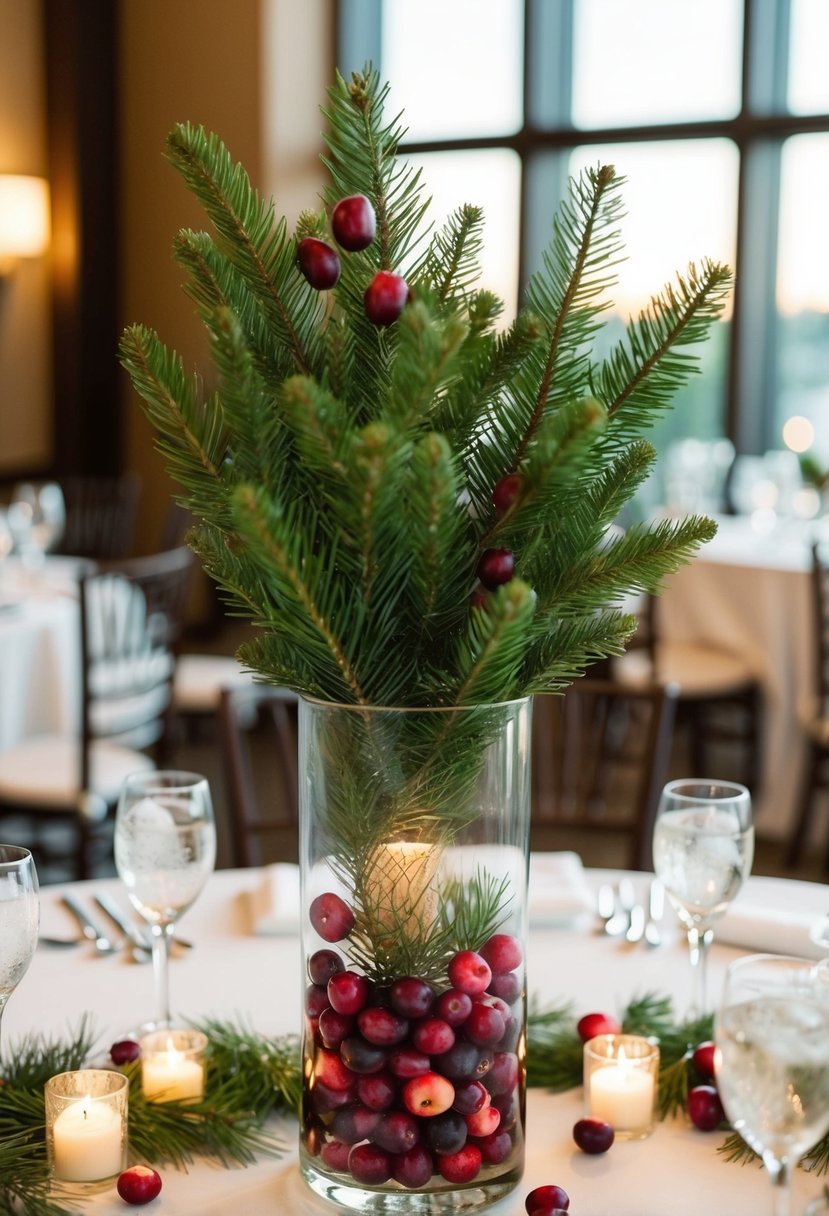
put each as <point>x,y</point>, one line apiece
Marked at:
<point>24,216</point>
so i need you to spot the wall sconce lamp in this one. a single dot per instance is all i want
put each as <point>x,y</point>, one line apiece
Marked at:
<point>24,219</point>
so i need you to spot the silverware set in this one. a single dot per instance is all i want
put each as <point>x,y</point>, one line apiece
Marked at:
<point>136,943</point>
<point>620,914</point>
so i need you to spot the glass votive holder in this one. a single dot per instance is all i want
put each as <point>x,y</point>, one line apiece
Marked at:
<point>86,1126</point>
<point>621,1079</point>
<point>172,1065</point>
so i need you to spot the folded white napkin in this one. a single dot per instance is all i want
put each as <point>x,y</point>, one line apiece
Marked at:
<point>559,892</point>
<point>761,928</point>
<point>273,906</point>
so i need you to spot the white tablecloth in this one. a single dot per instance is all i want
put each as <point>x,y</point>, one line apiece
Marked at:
<point>675,1172</point>
<point>750,594</point>
<point>40,662</point>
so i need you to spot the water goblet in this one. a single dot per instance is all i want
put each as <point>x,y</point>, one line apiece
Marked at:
<point>165,850</point>
<point>772,1060</point>
<point>19,918</point>
<point>41,513</point>
<point>703,847</point>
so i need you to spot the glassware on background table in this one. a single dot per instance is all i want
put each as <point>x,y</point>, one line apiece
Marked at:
<point>772,1060</point>
<point>165,850</point>
<point>37,517</point>
<point>703,847</point>
<point>19,917</point>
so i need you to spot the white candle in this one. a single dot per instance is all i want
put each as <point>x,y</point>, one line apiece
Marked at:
<point>622,1095</point>
<point>88,1142</point>
<point>399,888</point>
<point>172,1076</point>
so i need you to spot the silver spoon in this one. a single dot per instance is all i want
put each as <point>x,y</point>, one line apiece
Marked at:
<point>90,930</point>
<point>619,922</point>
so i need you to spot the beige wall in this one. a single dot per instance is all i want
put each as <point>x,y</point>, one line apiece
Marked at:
<point>25,307</point>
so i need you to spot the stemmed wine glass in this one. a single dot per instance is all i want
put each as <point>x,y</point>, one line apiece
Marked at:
<point>703,847</point>
<point>165,850</point>
<point>37,514</point>
<point>19,917</point>
<point>772,1060</point>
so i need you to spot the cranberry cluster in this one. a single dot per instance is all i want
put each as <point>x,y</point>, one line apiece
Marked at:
<point>704,1106</point>
<point>408,1082</point>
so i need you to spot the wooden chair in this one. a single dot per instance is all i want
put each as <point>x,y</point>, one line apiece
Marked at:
<point>600,755</point>
<point>130,618</point>
<point>101,514</point>
<point>719,700</point>
<point>814,716</point>
<point>259,754</point>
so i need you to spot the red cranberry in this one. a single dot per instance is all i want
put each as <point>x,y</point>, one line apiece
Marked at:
<point>447,1133</point>
<point>331,917</point>
<point>396,1131</point>
<point>385,297</point>
<point>593,1135</point>
<point>316,1000</point>
<point>593,1024</point>
<point>503,1076</point>
<point>705,1108</point>
<point>479,596</point>
<point>323,964</point>
<point>404,1062</point>
<point>546,1198</point>
<point>484,1122</point>
<point>334,1154</point>
<point>382,1026</point>
<point>507,986</point>
<point>324,1099</point>
<point>496,566</point>
<point>360,1056</point>
<point>462,1166</point>
<point>414,1168</point>
<point>354,1123</point>
<point>377,1090</point>
<point>433,1036</point>
<point>485,1025</point>
<point>334,1027</point>
<point>428,1095</point>
<point>469,972</point>
<point>411,997</point>
<point>318,262</point>
<point>353,223</point>
<point>331,1071</point>
<point>139,1184</point>
<point>507,1106</point>
<point>506,492</point>
<point>470,1097</point>
<point>454,1006</point>
<point>503,953</point>
<point>462,1062</point>
<point>495,1148</point>
<point>704,1059</point>
<point>348,992</point>
<point>370,1164</point>
<point>125,1051</point>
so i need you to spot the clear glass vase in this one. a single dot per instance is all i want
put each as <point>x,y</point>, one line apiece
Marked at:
<point>413,855</point>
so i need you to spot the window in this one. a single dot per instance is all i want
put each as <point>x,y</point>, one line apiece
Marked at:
<point>716,112</point>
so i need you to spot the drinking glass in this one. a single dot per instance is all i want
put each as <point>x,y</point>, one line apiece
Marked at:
<point>37,513</point>
<point>703,847</point>
<point>772,1060</point>
<point>19,917</point>
<point>165,850</point>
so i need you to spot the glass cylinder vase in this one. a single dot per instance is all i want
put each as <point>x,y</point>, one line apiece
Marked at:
<point>414,828</point>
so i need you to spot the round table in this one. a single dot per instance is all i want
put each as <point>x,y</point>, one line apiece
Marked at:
<point>675,1172</point>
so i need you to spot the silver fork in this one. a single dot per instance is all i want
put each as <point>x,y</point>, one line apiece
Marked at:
<point>91,931</point>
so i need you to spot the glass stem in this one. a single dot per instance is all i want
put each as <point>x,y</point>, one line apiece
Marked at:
<point>699,941</point>
<point>161,970</point>
<point>780,1176</point>
<point>3,1000</point>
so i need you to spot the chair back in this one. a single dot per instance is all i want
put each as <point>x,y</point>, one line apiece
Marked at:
<point>131,619</point>
<point>259,754</point>
<point>101,514</point>
<point>600,756</point>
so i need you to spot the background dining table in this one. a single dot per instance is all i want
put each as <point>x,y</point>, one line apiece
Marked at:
<point>234,973</point>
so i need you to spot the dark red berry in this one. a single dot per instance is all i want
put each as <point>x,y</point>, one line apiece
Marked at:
<point>353,223</point>
<point>348,992</point>
<point>385,297</point>
<point>414,1168</point>
<point>593,1024</point>
<point>124,1051</point>
<point>370,1164</point>
<point>382,1026</point>
<point>323,964</point>
<point>334,1027</point>
<point>354,1124</point>
<point>545,1199</point>
<point>470,1097</point>
<point>593,1135</point>
<point>447,1133</point>
<point>454,1006</point>
<point>316,999</point>
<point>318,262</point>
<point>506,492</point>
<point>324,1099</point>
<point>335,1154</point>
<point>503,953</point>
<point>396,1132</point>
<point>377,1090</point>
<point>411,997</point>
<point>479,596</point>
<point>508,1107</point>
<point>495,1148</point>
<point>507,986</point>
<point>433,1036</point>
<point>469,972</point>
<point>484,1122</point>
<point>485,1025</point>
<point>704,1059</point>
<point>361,1056</point>
<point>462,1166</point>
<point>139,1184</point>
<point>405,1062</point>
<point>502,1078</point>
<point>331,1071</point>
<point>496,566</point>
<point>331,917</point>
<point>704,1108</point>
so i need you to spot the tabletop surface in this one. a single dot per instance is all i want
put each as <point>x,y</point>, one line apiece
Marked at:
<point>230,971</point>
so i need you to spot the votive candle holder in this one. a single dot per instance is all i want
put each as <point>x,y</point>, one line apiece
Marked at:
<point>173,1066</point>
<point>621,1082</point>
<point>86,1126</point>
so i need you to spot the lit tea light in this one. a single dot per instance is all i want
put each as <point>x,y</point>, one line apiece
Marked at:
<point>399,886</point>
<point>620,1082</point>
<point>172,1069</point>
<point>86,1125</point>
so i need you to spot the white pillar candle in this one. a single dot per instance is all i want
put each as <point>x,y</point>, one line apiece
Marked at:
<point>399,887</point>
<point>622,1095</point>
<point>172,1076</point>
<point>87,1142</point>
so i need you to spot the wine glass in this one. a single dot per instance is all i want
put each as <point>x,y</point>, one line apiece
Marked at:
<point>19,918</point>
<point>38,512</point>
<point>703,847</point>
<point>772,1060</point>
<point>165,850</point>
